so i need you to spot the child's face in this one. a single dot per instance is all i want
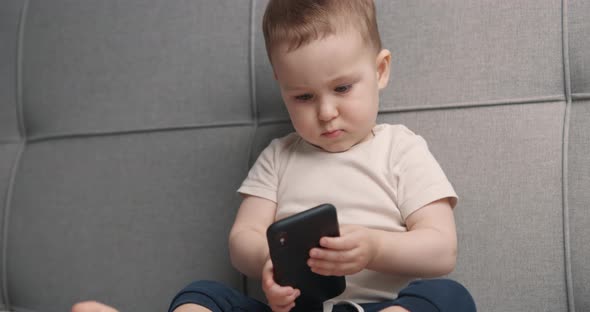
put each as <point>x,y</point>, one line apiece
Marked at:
<point>331,89</point>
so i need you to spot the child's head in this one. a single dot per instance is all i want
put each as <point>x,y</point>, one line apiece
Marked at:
<point>328,61</point>
<point>298,22</point>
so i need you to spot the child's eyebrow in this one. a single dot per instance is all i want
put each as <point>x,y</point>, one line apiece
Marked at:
<point>348,78</point>
<point>293,88</point>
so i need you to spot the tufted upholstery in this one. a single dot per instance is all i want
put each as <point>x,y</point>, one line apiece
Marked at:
<point>127,126</point>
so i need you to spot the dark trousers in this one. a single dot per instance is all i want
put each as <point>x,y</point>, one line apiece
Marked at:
<point>434,295</point>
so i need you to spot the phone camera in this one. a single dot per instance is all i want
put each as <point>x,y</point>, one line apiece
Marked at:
<point>282,237</point>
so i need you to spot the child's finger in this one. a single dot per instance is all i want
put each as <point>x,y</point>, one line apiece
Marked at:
<point>285,299</point>
<point>333,269</point>
<point>281,302</point>
<point>281,291</point>
<point>331,255</point>
<point>267,278</point>
<point>338,243</point>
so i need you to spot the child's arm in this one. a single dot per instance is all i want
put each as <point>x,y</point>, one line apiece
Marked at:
<point>249,250</point>
<point>427,249</point>
<point>247,240</point>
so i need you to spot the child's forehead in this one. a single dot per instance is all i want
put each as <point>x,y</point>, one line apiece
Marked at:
<point>322,60</point>
<point>287,47</point>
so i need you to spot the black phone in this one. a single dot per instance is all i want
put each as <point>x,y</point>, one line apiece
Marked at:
<point>289,242</point>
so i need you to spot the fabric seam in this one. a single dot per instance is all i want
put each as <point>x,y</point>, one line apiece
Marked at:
<point>19,71</point>
<point>253,95</point>
<point>58,136</point>
<point>580,96</point>
<point>7,205</point>
<point>257,122</point>
<point>507,102</point>
<point>22,144</point>
<point>565,154</point>
<point>254,103</point>
<point>515,101</point>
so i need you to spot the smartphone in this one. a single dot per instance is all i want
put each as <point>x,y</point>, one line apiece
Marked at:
<point>289,242</point>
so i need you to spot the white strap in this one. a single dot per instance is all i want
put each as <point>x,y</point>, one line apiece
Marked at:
<point>328,305</point>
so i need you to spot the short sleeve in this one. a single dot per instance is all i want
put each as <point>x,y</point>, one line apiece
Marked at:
<point>420,179</point>
<point>262,179</point>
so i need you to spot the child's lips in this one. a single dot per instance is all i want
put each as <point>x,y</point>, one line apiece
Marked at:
<point>332,134</point>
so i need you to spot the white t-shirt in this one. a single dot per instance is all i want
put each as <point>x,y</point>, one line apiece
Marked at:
<point>376,183</point>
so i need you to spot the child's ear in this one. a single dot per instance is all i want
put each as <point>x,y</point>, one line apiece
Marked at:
<point>383,65</point>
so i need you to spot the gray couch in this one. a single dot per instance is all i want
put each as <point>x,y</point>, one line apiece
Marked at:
<point>127,126</point>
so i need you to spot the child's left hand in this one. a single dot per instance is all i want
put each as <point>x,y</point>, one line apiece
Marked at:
<point>348,254</point>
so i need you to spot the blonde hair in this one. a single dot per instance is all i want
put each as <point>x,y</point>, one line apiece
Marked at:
<point>298,22</point>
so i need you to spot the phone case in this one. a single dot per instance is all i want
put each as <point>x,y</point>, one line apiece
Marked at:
<point>290,241</point>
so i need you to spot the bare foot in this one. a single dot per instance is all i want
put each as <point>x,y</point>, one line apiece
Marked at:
<point>395,309</point>
<point>189,307</point>
<point>92,306</point>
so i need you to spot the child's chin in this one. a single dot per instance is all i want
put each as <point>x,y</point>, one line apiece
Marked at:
<point>336,148</point>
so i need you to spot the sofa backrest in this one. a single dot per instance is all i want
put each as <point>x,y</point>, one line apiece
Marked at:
<point>127,126</point>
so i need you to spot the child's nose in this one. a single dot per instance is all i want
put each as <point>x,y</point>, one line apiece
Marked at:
<point>328,110</point>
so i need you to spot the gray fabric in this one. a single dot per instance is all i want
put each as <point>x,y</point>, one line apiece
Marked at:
<point>9,18</point>
<point>579,45</point>
<point>95,66</point>
<point>505,164</point>
<point>579,201</point>
<point>8,154</point>
<point>129,219</point>
<point>456,52</point>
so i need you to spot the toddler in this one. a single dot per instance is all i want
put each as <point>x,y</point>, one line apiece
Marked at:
<point>393,200</point>
<point>395,204</point>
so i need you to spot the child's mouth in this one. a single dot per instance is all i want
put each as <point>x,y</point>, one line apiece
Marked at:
<point>332,134</point>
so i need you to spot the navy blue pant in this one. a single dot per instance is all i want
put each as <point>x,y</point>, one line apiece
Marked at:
<point>435,295</point>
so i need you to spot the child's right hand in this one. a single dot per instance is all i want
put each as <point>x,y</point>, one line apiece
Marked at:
<point>280,298</point>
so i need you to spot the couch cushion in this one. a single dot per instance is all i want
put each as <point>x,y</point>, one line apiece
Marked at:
<point>124,219</point>
<point>115,66</point>
<point>505,164</point>
<point>578,201</point>
<point>464,52</point>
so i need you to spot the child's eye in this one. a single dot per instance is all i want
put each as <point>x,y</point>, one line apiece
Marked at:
<point>304,97</point>
<point>343,89</point>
